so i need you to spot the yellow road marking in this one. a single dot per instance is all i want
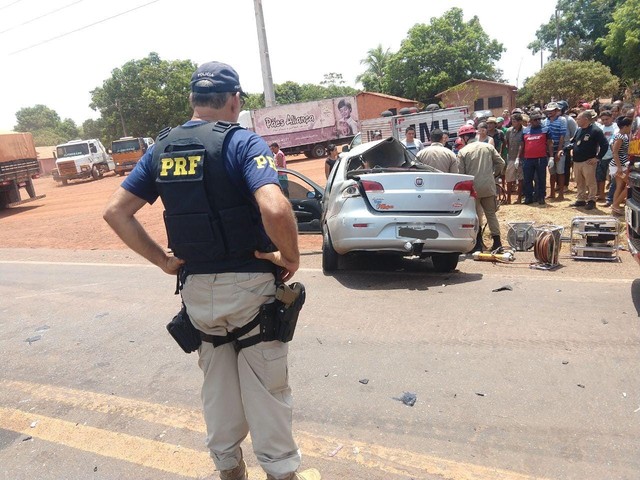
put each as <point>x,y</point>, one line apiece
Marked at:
<point>166,457</point>
<point>193,463</point>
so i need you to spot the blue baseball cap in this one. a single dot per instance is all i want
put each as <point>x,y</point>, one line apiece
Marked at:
<point>219,77</point>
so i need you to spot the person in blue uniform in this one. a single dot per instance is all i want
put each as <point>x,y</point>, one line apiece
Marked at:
<point>231,231</point>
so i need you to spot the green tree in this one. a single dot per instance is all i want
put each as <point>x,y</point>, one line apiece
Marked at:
<point>38,117</point>
<point>440,55</point>
<point>45,125</point>
<point>376,61</point>
<point>147,95</point>
<point>572,81</point>
<point>578,26</point>
<point>95,129</point>
<point>622,42</point>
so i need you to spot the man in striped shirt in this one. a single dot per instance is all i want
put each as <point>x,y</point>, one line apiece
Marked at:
<point>557,125</point>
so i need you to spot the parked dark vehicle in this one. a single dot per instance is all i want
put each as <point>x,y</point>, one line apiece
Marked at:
<point>633,210</point>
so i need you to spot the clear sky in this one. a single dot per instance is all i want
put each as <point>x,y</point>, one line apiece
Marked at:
<point>306,40</point>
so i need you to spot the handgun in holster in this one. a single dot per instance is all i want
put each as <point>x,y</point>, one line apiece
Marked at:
<point>289,302</point>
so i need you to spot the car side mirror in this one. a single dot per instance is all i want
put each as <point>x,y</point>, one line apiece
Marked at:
<point>345,148</point>
<point>314,194</point>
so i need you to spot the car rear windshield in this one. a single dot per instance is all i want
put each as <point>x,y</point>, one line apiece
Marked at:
<point>124,146</point>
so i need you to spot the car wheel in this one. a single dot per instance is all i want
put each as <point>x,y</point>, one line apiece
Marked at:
<point>95,174</point>
<point>330,257</point>
<point>318,151</point>
<point>445,262</point>
<point>65,182</point>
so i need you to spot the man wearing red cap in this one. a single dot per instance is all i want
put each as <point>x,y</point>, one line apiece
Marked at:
<point>232,232</point>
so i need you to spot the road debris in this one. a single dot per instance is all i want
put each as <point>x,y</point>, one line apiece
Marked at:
<point>408,398</point>
<point>335,450</point>
<point>580,385</point>
<point>503,288</point>
<point>35,338</point>
<point>364,381</point>
<point>480,394</point>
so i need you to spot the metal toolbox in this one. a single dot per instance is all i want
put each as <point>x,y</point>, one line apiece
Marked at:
<point>595,238</point>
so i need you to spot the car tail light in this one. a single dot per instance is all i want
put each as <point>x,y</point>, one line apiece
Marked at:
<point>370,186</point>
<point>466,186</point>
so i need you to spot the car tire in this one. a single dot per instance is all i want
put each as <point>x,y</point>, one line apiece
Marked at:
<point>65,182</point>
<point>445,262</point>
<point>95,174</point>
<point>330,257</point>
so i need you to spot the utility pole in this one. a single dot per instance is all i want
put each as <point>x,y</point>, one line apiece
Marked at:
<point>267,79</point>
<point>557,36</point>
<point>124,130</point>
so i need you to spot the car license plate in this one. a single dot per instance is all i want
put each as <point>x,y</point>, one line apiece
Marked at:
<point>422,232</point>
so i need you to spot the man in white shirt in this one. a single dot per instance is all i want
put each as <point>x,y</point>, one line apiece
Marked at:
<point>411,142</point>
<point>609,128</point>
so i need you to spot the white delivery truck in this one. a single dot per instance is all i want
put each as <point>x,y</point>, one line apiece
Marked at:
<point>81,159</point>
<point>450,119</point>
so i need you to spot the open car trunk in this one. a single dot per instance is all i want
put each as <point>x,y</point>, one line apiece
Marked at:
<point>393,182</point>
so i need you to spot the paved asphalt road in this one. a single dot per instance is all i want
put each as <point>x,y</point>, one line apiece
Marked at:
<point>540,382</point>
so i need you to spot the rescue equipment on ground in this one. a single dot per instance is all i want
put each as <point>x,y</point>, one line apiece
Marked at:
<point>521,236</point>
<point>595,238</point>
<point>547,246</point>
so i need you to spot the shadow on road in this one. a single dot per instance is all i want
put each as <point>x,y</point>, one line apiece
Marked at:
<point>373,272</point>
<point>8,212</point>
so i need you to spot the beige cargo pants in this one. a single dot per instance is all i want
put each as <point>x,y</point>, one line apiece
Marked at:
<point>246,391</point>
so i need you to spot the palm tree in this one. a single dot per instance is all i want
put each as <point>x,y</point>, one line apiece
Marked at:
<point>376,62</point>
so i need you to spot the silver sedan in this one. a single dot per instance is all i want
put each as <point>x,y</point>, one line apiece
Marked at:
<point>379,199</point>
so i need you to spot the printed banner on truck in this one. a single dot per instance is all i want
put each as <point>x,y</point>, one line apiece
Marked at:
<point>339,114</point>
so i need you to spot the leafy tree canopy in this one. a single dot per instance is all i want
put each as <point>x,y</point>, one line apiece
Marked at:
<point>572,81</point>
<point>622,42</point>
<point>580,23</point>
<point>440,55</point>
<point>45,125</point>
<point>146,95</point>
<point>376,61</point>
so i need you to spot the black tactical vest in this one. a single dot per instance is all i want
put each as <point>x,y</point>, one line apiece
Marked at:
<point>210,223</point>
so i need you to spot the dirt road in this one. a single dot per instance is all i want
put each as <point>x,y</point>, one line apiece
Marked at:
<point>70,218</point>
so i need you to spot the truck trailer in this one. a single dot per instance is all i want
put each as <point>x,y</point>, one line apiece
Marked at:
<point>18,167</point>
<point>307,127</point>
<point>450,119</point>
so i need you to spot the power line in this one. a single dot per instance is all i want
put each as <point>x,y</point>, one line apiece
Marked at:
<point>8,5</point>
<point>83,28</point>
<point>41,16</point>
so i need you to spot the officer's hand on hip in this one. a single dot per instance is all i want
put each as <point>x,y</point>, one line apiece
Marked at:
<point>171,265</point>
<point>288,267</point>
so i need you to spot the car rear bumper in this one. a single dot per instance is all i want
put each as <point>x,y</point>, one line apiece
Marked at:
<point>452,233</point>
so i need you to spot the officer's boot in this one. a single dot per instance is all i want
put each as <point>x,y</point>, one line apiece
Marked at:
<point>238,473</point>
<point>310,474</point>
<point>496,242</point>
<point>478,246</point>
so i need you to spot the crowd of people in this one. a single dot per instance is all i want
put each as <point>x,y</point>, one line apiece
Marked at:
<point>526,148</point>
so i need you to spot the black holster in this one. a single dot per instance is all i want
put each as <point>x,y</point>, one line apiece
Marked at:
<point>183,331</point>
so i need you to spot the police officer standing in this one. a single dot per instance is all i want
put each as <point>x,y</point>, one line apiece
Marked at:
<point>230,227</point>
